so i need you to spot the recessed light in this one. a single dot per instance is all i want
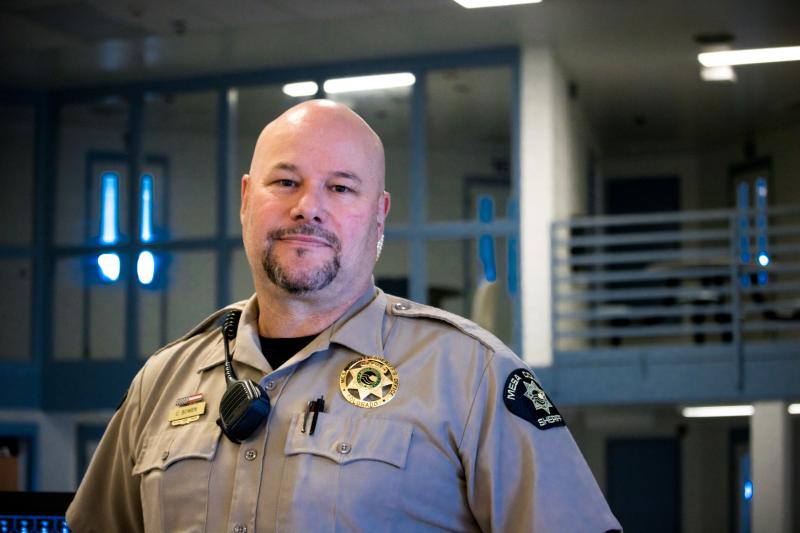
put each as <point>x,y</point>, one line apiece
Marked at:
<point>369,83</point>
<point>471,4</point>
<point>300,88</point>
<point>749,57</point>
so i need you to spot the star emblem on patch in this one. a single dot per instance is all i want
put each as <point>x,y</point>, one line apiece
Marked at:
<point>535,394</point>
<point>524,397</point>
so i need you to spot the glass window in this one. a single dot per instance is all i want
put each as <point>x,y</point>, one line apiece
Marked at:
<point>256,107</point>
<point>191,291</point>
<point>179,133</point>
<point>15,309</point>
<point>92,141</point>
<point>469,139</point>
<point>88,313</point>
<point>457,282</point>
<point>388,112</point>
<point>241,279</point>
<point>152,330</point>
<point>16,161</point>
<point>391,271</point>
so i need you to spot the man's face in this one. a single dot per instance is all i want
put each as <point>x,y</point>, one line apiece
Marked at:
<point>313,205</point>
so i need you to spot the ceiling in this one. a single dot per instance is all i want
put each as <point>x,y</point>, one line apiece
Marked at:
<point>633,61</point>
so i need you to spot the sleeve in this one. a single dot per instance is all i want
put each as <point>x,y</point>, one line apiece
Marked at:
<point>523,470</point>
<point>108,498</point>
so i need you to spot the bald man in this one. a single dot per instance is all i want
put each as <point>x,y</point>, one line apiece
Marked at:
<point>363,411</point>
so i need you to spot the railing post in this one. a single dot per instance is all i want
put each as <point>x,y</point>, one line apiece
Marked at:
<point>554,303</point>
<point>736,307</point>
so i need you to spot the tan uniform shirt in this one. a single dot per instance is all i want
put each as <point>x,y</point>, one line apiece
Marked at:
<point>444,454</point>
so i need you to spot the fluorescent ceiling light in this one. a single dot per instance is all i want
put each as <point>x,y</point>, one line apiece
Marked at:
<point>794,409</point>
<point>470,4</point>
<point>749,57</point>
<point>301,88</point>
<point>369,83</point>
<point>717,411</point>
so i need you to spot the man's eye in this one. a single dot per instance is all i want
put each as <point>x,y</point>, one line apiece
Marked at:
<point>340,188</point>
<point>286,183</point>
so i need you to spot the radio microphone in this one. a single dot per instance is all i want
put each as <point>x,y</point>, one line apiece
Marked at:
<point>245,405</point>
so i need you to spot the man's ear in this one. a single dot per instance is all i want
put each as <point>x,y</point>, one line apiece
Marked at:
<point>245,184</point>
<point>384,203</point>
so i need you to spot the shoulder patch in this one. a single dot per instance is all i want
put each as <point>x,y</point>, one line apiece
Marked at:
<point>525,398</point>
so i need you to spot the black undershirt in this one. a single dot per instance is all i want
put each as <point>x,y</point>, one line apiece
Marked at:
<point>278,351</point>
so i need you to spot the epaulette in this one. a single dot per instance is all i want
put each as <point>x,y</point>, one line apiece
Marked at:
<point>205,324</point>
<point>406,308</point>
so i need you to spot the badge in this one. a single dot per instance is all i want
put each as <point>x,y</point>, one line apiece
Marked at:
<point>185,414</point>
<point>368,382</point>
<point>525,398</point>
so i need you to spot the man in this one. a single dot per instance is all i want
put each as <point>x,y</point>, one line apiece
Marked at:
<point>386,415</point>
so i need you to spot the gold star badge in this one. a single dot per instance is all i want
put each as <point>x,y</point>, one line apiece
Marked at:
<point>368,382</point>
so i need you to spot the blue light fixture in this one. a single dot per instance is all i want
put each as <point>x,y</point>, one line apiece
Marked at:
<point>109,267</point>
<point>146,267</point>
<point>109,263</point>
<point>109,208</point>
<point>146,208</point>
<point>146,263</point>
<point>748,490</point>
<point>761,228</point>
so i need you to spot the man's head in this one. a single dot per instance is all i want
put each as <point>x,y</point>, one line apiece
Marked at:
<point>313,204</point>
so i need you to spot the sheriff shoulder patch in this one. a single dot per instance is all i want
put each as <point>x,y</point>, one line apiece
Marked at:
<point>525,398</point>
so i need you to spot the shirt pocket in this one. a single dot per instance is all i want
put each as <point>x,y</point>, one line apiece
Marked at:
<point>175,467</point>
<point>345,475</point>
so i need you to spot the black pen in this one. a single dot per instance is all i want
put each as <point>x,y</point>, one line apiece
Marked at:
<point>319,405</point>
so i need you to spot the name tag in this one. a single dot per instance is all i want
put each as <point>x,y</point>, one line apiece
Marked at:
<point>187,413</point>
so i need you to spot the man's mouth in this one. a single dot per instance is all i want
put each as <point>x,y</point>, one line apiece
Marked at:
<point>308,236</point>
<point>305,239</point>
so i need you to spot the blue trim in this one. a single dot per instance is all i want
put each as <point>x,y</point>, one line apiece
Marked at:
<point>486,241</point>
<point>84,385</point>
<point>20,386</point>
<point>30,432</point>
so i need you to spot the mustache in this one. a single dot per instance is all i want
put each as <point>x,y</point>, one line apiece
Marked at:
<point>310,230</point>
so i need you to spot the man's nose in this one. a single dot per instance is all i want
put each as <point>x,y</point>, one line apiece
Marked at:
<point>309,206</point>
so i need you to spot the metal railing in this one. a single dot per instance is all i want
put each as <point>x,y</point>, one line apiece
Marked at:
<point>722,278</point>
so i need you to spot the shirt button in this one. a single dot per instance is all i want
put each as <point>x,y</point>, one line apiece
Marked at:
<point>239,528</point>
<point>250,454</point>
<point>269,385</point>
<point>164,456</point>
<point>344,447</point>
<point>402,306</point>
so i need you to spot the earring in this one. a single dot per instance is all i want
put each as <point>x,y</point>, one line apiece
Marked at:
<point>380,248</point>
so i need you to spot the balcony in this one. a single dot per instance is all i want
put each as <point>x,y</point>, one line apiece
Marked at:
<point>685,306</point>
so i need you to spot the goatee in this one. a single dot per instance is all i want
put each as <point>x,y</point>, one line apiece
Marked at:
<point>302,283</point>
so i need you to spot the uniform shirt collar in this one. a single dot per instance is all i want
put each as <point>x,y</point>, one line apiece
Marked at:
<point>359,328</point>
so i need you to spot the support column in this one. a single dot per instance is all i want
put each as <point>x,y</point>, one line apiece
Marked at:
<point>771,452</point>
<point>536,205</point>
